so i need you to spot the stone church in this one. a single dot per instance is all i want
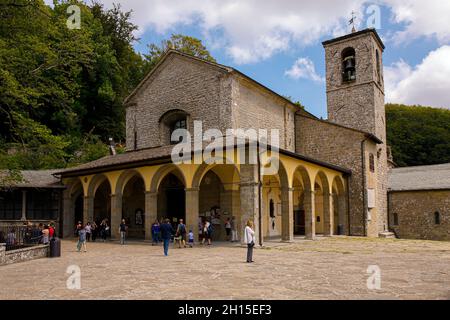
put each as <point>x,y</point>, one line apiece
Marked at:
<point>333,174</point>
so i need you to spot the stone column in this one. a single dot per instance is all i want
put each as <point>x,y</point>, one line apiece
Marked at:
<point>24,205</point>
<point>192,208</point>
<point>328,214</point>
<point>116,215</point>
<point>342,212</point>
<point>151,212</point>
<point>249,209</point>
<point>287,211</point>
<point>88,209</point>
<point>310,217</point>
<point>67,215</point>
<point>2,253</point>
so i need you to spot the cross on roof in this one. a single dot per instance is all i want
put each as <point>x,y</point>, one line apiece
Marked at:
<point>353,21</point>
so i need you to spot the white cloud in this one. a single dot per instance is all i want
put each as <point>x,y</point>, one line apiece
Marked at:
<point>427,83</point>
<point>304,68</point>
<point>254,30</point>
<point>422,18</point>
<point>251,30</point>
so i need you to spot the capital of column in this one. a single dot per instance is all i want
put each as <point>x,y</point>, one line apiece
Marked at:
<point>192,189</point>
<point>151,193</point>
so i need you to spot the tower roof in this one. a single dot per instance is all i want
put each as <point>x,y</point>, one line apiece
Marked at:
<point>356,34</point>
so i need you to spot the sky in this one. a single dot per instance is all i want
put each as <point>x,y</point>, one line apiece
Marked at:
<point>278,42</point>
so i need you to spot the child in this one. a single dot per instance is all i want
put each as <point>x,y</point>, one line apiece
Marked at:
<point>191,239</point>
<point>81,239</point>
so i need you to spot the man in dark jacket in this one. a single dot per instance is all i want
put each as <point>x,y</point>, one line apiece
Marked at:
<point>166,234</point>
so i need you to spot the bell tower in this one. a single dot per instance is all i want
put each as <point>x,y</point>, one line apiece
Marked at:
<point>355,85</point>
<point>355,99</point>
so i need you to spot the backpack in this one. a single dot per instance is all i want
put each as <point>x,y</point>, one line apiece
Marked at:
<point>210,228</point>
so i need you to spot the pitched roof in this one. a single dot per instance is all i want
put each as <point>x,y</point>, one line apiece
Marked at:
<point>222,67</point>
<point>134,158</point>
<point>355,34</point>
<point>435,177</point>
<point>160,155</point>
<point>35,179</point>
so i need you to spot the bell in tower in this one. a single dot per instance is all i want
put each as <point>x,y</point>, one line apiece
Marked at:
<point>349,65</point>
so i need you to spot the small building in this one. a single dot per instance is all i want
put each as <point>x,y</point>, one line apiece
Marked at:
<point>36,198</point>
<point>419,202</point>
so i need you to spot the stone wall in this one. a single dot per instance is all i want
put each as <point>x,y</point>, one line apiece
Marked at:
<point>21,255</point>
<point>416,210</point>
<point>255,108</point>
<point>197,88</point>
<point>360,104</point>
<point>340,146</point>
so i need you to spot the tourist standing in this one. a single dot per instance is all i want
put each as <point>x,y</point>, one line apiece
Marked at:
<point>123,231</point>
<point>94,231</point>
<point>45,234</point>
<point>11,237</point>
<point>228,229</point>
<point>156,232</point>
<point>88,229</point>
<point>249,238</point>
<point>104,228</point>
<point>166,234</point>
<point>51,230</point>
<point>81,239</point>
<point>181,232</point>
<point>233,230</point>
<point>207,230</point>
<point>191,239</point>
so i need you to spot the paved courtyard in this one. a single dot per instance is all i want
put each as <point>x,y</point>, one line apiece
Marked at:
<point>329,268</point>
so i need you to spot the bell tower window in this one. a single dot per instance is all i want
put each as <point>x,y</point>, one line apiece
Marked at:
<point>349,65</point>
<point>378,66</point>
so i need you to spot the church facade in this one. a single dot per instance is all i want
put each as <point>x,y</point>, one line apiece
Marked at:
<point>332,177</point>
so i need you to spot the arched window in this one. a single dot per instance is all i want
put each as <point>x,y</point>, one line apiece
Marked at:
<point>171,121</point>
<point>179,124</point>
<point>378,66</point>
<point>348,65</point>
<point>271,209</point>
<point>437,218</point>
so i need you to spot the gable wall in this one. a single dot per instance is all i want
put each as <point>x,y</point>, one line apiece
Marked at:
<point>203,91</point>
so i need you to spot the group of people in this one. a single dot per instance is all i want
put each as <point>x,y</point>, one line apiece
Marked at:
<point>29,234</point>
<point>165,233</point>
<point>91,231</point>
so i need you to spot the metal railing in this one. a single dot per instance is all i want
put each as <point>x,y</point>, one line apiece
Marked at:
<point>19,237</point>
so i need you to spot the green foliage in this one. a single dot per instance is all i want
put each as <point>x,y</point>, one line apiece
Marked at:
<point>297,103</point>
<point>185,44</point>
<point>62,90</point>
<point>418,135</point>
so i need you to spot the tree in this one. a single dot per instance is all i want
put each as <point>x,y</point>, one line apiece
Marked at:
<point>182,43</point>
<point>418,135</point>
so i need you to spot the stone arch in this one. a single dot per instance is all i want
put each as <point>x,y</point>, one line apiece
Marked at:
<point>349,62</point>
<point>228,173</point>
<point>167,121</point>
<point>339,206</point>
<point>323,204</point>
<point>132,204</point>
<point>95,183</point>
<point>124,178</point>
<point>163,172</point>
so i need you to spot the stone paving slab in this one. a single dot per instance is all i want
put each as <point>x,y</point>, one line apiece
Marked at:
<point>330,268</point>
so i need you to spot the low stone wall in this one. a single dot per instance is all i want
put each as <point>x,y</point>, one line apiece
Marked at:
<point>20,255</point>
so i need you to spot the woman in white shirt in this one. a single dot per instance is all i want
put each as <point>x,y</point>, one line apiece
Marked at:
<point>249,238</point>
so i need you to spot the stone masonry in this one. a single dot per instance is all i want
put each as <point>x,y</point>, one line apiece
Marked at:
<point>415,212</point>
